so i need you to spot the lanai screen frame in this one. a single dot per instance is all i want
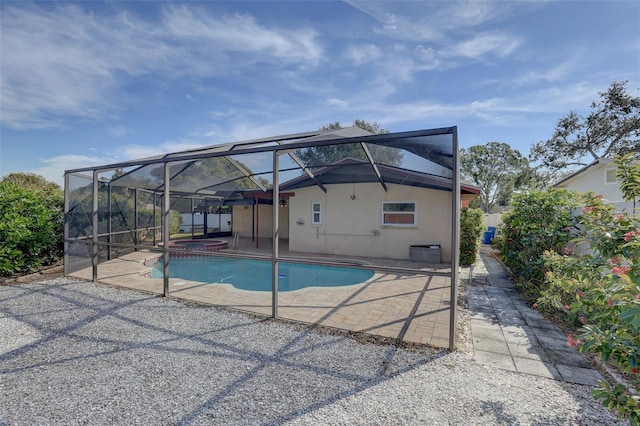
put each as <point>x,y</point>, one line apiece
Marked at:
<point>284,145</point>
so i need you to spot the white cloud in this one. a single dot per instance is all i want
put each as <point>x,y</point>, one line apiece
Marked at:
<point>500,45</point>
<point>390,22</point>
<point>521,107</point>
<point>362,54</point>
<point>337,103</point>
<point>241,33</point>
<point>53,168</point>
<point>428,58</point>
<point>474,13</point>
<point>437,21</point>
<point>61,63</point>
<point>553,74</point>
<point>120,131</point>
<point>135,151</point>
<point>561,65</point>
<point>64,61</point>
<point>415,37</point>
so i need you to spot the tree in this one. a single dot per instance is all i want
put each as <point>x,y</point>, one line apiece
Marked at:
<point>536,178</point>
<point>497,170</point>
<point>375,127</point>
<point>32,181</point>
<point>371,127</point>
<point>206,173</point>
<point>629,176</point>
<point>323,155</point>
<point>612,127</point>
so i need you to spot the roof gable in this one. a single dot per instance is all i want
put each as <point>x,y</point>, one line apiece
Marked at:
<point>594,166</point>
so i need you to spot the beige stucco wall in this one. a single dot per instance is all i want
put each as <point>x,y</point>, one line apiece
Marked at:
<point>347,224</point>
<point>242,220</point>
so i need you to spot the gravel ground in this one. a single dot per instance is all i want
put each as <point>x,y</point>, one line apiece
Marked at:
<point>77,353</point>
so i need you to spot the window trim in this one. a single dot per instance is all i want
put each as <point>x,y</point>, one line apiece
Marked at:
<point>313,213</point>
<point>400,225</point>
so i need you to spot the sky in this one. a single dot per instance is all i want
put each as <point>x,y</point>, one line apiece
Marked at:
<point>97,82</point>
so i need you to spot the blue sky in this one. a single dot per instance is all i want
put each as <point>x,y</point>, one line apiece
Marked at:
<point>89,83</point>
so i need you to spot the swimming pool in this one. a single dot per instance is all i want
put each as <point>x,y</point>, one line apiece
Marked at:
<point>255,275</point>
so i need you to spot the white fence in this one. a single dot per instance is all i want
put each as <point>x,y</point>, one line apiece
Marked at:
<point>215,222</point>
<point>492,219</point>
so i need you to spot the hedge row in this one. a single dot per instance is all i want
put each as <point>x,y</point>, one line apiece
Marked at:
<point>31,228</point>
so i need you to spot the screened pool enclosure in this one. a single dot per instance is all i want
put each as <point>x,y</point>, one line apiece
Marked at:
<point>388,204</point>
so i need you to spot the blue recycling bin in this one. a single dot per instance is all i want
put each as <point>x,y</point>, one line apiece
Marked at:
<point>493,230</point>
<point>487,237</point>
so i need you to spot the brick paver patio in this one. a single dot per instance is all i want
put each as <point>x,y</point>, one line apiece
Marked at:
<point>410,307</point>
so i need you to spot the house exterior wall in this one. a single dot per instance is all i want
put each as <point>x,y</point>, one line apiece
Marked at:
<point>593,180</point>
<point>347,224</point>
<point>465,199</point>
<point>242,220</point>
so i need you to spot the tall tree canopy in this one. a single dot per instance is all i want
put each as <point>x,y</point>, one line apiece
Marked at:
<point>216,173</point>
<point>32,181</point>
<point>612,127</point>
<point>497,170</point>
<point>323,155</point>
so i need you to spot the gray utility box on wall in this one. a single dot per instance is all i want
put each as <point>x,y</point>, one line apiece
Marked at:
<point>428,253</point>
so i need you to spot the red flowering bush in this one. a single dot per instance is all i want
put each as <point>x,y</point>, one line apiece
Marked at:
<point>600,293</point>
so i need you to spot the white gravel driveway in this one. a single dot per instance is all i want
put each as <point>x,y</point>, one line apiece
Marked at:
<point>78,353</point>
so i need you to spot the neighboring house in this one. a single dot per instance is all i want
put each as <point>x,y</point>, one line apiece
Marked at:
<point>598,177</point>
<point>349,219</point>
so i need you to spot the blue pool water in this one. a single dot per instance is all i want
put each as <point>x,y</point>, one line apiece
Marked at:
<point>255,275</point>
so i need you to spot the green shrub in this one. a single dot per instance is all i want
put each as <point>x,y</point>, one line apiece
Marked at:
<point>538,222</point>
<point>122,215</point>
<point>31,222</point>
<point>471,229</point>
<point>600,292</point>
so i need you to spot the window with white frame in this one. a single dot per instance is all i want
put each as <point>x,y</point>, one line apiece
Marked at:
<point>398,213</point>
<point>316,213</point>
<point>610,176</point>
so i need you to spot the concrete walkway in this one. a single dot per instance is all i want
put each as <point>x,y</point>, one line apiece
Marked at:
<point>509,335</point>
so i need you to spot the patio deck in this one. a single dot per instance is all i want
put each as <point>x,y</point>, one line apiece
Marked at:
<point>409,307</point>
